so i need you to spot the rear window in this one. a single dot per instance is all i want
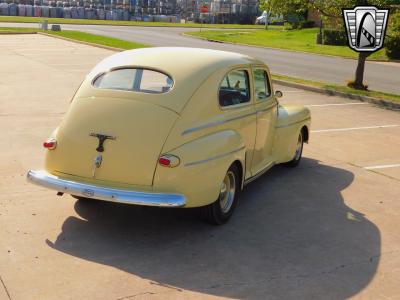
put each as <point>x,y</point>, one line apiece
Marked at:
<point>136,80</point>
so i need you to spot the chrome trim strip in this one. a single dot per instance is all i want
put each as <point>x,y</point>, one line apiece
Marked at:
<point>259,174</point>
<point>44,179</point>
<point>213,158</point>
<point>291,124</point>
<point>211,124</point>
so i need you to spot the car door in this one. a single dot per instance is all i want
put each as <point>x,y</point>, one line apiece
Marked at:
<point>236,103</point>
<point>266,111</point>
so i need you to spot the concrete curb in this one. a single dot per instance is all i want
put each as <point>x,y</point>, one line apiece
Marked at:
<point>379,102</point>
<point>83,42</point>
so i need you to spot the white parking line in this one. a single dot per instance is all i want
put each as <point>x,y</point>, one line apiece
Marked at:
<point>382,167</point>
<point>337,104</point>
<point>353,128</point>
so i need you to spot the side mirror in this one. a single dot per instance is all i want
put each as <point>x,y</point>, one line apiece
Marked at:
<point>278,94</point>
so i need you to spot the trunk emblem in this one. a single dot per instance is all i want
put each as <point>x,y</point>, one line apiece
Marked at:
<point>97,163</point>
<point>102,138</point>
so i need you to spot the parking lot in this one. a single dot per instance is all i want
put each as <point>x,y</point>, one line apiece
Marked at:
<point>328,229</point>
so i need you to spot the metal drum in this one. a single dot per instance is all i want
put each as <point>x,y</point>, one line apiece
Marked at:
<point>4,9</point>
<point>53,12</point>
<point>101,14</point>
<point>29,10</point>
<point>67,13</point>
<point>81,12</point>
<point>74,13</point>
<point>126,15</point>
<point>45,11</point>
<point>12,7</point>
<point>37,11</point>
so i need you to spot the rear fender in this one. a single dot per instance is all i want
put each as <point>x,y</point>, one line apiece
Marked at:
<point>203,165</point>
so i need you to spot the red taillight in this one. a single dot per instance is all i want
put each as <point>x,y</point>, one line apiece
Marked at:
<point>169,161</point>
<point>164,161</point>
<point>50,144</point>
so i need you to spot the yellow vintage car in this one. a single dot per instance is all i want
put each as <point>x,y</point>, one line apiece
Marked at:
<point>173,127</point>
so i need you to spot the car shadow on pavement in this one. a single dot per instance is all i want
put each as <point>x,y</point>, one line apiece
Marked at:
<point>292,236</point>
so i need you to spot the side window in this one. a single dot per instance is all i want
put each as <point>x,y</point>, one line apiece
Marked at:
<point>261,84</point>
<point>234,88</point>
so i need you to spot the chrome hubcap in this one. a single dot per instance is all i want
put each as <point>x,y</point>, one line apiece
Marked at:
<point>227,192</point>
<point>299,147</point>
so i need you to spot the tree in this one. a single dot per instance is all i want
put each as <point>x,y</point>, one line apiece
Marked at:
<point>335,11</point>
<point>329,9</point>
<point>282,7</point>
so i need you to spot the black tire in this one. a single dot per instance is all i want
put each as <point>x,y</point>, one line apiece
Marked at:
<point>299,152</point>
<point>214,213</point>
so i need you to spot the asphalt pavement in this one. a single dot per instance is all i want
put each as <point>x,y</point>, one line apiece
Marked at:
<point>383,77</point>
<point>328,229</point>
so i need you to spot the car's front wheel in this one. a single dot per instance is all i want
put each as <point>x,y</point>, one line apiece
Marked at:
<point>222,209</point>
<point>299,151</point>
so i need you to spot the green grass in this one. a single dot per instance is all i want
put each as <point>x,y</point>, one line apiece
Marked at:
<point>296,40</point>
<point>17,30</point>
<point>17,19</point>
<point>80,36</point>
<point>339,88</point>
<point>97,39</point>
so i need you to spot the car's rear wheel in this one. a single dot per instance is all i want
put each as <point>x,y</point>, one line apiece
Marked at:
<point>222,209</point>
<point>299,152</point>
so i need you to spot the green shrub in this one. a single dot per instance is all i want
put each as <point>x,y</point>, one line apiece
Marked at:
<point>394,24</point>
<point>392,44</point>
<point>288,26</point>
<point>392,40</point>
<point>295,18</point>
<point>277,23</point>
<point>334,37</point>
<point>306,24</point>
<point>298,25</point>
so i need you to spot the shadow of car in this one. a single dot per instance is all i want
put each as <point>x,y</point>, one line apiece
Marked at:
<point>293,237</point>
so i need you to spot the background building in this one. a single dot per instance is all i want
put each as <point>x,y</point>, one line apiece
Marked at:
<point>218,11</point>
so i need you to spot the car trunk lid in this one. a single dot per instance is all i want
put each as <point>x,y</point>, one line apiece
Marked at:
<point>124,136</point>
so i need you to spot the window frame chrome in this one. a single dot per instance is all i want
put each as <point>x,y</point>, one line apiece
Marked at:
<point>92,82</point>
<point>240,105</point>
<point>268,81</point>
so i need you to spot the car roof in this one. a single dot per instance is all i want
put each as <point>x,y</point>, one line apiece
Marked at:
<point>175,60</point>
<point>188,67</point>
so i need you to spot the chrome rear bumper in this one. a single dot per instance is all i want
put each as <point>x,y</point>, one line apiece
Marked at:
<point>49,181</point>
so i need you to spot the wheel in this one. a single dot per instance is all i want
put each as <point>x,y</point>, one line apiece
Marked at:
<point>222,209</point>
<point>299,151</point>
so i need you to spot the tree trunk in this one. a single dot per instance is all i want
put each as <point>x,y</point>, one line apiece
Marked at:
<point>359,80</point>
